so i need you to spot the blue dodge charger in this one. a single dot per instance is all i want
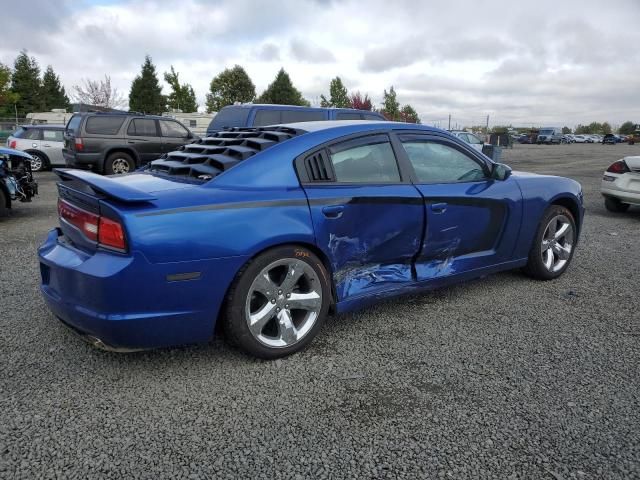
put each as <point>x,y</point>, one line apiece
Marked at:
<point>267,230</point>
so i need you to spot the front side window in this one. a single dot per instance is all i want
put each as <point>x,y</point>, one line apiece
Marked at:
<point>173,129</point>
<point>439,163</point>
<point>52,135</point>
<point>365,161</point>
<point>142,127</point>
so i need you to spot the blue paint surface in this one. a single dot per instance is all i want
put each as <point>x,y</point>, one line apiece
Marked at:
<point>377,241</point>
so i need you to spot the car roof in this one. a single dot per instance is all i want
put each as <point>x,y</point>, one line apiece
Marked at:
<point>272,106</point>
<point>321,125</point>
<point>45,125</point>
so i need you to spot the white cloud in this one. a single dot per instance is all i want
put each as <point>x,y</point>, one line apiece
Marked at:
<point>518,64</point>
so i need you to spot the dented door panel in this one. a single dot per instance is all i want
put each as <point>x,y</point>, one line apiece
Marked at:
<point>469,225</point>
<point>370,234</point>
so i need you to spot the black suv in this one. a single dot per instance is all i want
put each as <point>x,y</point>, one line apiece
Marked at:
<point>113,143</point>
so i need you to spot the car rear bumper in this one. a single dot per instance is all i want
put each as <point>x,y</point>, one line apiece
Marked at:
<point>124,302</point>
<point>82,160</point>
<point>624,189</point>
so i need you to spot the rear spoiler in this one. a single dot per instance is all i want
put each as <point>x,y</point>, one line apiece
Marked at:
<point>105,185</point>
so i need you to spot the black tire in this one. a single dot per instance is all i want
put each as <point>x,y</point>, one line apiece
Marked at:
<point>115,164</point>
<point>235,324</point>
<point>535,267</point>
<point>41,164</point>
<point>615,205</point>
<point>4,210</point>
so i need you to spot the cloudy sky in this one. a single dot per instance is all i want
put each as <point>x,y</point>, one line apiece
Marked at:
<point>522,63</point>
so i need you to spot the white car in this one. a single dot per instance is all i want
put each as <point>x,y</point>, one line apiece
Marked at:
<point>579,139</point>
<point>470,138</point>
<point>43,142</point>
<point>621,184</point>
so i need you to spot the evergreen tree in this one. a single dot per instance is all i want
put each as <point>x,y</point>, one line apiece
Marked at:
<point>7,97</point>
<point>230,86</point>
<point>281,91</point>
<point>146,93</point>
<point>182,96</point>
<point>25,82</point>
<point>390,105</point>
<point>52,94</point>
<point>338,95</point>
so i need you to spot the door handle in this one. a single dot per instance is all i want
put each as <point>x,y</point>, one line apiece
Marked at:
<point>46,145</point>
<point>333,211</point>
<point>438,207</point>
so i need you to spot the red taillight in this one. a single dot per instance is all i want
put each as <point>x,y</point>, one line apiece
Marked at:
<point>105,231</point>
<point>618,167</point>
<point>12,144</point>
<point>111,234</point>
<point>87,222</point>
<point>79,144</point>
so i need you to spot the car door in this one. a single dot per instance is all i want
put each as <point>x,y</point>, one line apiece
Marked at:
<point>144,138</point>
<point>174,135</point>
<point>52,144</point>
<point>29,139</point>
<point>472,220</point>
<point>368,218</point>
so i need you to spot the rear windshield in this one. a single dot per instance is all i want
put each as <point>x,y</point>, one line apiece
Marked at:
<point>104,125</point>
<point>74,122</point>
<point>230,117</point>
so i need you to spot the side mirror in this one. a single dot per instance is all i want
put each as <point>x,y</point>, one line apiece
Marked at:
<point>500,171</point>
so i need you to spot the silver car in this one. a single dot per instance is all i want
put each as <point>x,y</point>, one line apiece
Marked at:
<point>470,138</point>
<point>43,142</point>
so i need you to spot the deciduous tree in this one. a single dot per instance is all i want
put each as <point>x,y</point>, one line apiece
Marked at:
<point>359,102</point>
<point>7,97</point>
<point>627,128</point>
<point>230,86</point>
<point>99,93</point>
<point>182,96</point>
<point>409,115</point>
<point>338,95</point>
<point>390,105</point>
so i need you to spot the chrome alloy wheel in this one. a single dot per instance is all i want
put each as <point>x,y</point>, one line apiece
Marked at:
<point>283,303</point>
<point>557,243</point>
<point>36,164</point>
<point>120,166</point>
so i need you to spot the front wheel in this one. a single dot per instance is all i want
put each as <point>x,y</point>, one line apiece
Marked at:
<point>553,245</point>
<point>615,205</point>
<point>4,209</point>
<point>278,302</point>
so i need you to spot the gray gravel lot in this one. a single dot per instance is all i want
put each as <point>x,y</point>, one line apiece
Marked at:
<point>503,377</point>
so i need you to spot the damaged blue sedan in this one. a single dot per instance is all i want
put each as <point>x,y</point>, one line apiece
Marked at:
<point>264,231</point>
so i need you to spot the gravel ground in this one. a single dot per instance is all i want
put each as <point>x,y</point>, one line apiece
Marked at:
<point>503,377</point>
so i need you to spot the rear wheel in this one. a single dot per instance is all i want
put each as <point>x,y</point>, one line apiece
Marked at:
<point>277,303</point>
<point>615,205</point>
<point>553,244</point>
<point>119,163</point>
<point>39,163</point>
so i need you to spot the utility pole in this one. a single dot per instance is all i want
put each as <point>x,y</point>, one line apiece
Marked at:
<point>449,122</point>
<point>487,130</point>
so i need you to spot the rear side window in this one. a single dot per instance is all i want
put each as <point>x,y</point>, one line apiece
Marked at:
<point>372,116</point>
<point>28,133</point>
<point>142,127</point>
<point>173,129</point>
<point>104,125</point>
<point>52,135</point>
<point>293,116</point>
<point>230,116</point>
<point>369,160</point>
<point>74,122</point>
<point>348,116</point>
<point>267,117</point>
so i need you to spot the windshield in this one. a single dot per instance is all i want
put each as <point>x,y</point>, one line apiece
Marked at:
<point>547,131</point>
<point>231,116</point>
